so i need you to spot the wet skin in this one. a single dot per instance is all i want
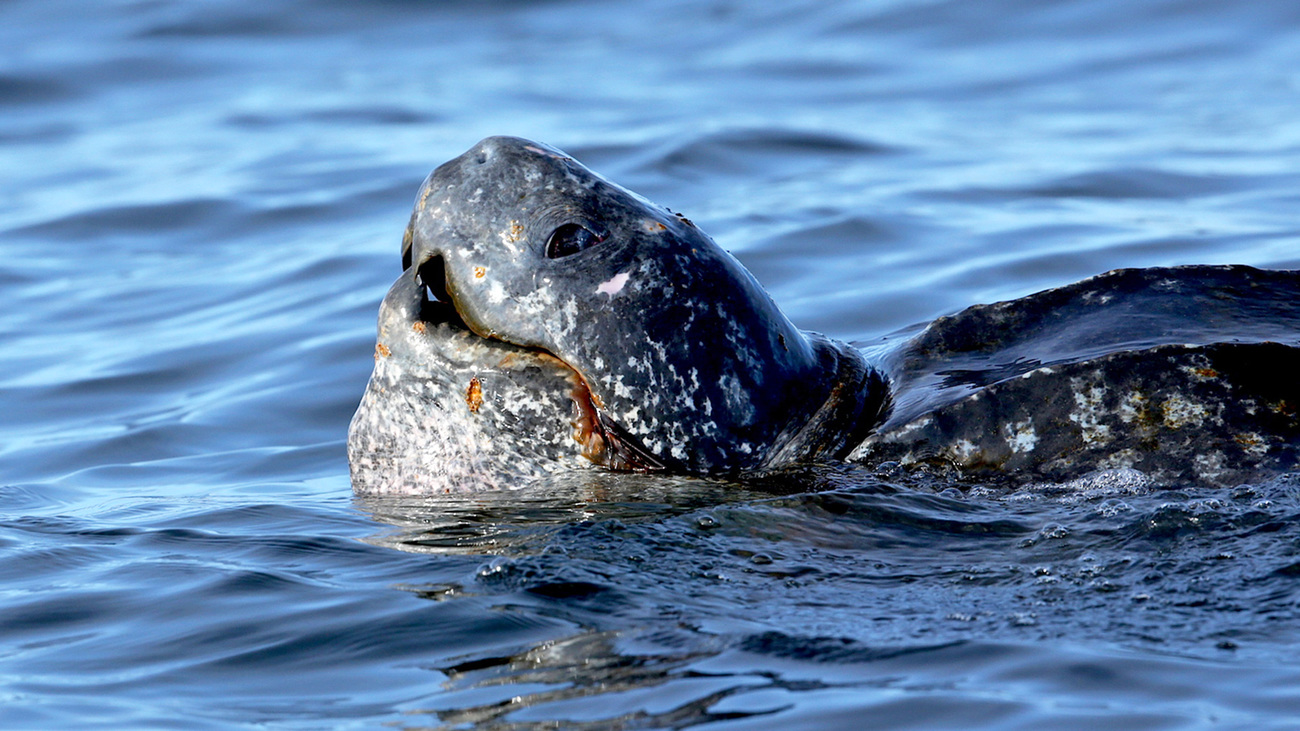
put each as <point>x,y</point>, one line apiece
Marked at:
<point>676,358</point>
<point>548,320</point>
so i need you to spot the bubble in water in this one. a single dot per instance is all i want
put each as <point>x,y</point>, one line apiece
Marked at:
<point>1097,485</point>
<point>1112,507</point>
<point>498,566</point>
<point>889,468</point>
<point>1049,532</point>
<point>1244,493</point>
<point>1023,619</point>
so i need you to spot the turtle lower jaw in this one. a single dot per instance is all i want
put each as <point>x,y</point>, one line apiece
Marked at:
<point>602,440</point>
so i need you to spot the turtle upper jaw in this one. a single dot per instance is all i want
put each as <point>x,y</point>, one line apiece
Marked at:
<point>421,319</point>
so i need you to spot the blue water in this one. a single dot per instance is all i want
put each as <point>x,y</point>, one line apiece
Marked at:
<point>202,205</point>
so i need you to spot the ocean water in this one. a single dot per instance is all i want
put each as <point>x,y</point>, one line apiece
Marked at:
<point>202,205</point>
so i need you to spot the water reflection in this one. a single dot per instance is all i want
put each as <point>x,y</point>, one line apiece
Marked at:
<point>883,559</point>
<point>618,687</point>
<point>515,521</point>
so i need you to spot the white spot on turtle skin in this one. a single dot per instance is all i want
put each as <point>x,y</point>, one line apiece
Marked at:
<point>1179,411</point>
<point>1252,443</point>
<point>621,390</point>
<point>910,429</point>
<point>737,400</point>
<point>964,451</point>
<point>1209,465</point>
<point>1091,412</point>
<point>1133,406</point>
<point>1123,459</point>
<point>1199,371</point>
<point>614,285</point>
<point>1021,436</point>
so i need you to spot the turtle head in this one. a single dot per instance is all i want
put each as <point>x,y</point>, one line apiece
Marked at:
<point>686,362</point>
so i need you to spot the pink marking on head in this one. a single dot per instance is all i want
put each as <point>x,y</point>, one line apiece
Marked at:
<point>614,285</point>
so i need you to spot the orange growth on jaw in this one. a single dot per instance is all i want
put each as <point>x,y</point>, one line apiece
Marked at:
<point>474,395</point>
<point>586,424</point>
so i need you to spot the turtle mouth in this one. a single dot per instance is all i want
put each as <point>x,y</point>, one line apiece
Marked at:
<point>604,442</point>
<point>436,304</point>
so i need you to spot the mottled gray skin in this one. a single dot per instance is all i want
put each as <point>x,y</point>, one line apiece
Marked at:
<point>689,363</point>
<point>681,362</point>
<point>1189,374</point>
<point>418,429</point>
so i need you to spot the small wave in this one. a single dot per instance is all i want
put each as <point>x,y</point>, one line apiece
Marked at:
<point>746,152</point>
<point>146,219</point>
<point>32,89</point>
<point>1113,184</point>
<point>378,115</point>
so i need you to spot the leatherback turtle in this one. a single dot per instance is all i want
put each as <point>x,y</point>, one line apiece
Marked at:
<point>549,320</point>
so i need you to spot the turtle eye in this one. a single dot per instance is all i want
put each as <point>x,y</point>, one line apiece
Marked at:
<point>570,239</point>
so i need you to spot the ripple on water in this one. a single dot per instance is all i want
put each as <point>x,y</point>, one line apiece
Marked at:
<point>204,205</point>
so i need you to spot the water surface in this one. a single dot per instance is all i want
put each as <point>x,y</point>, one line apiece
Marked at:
<point>203,206</point>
